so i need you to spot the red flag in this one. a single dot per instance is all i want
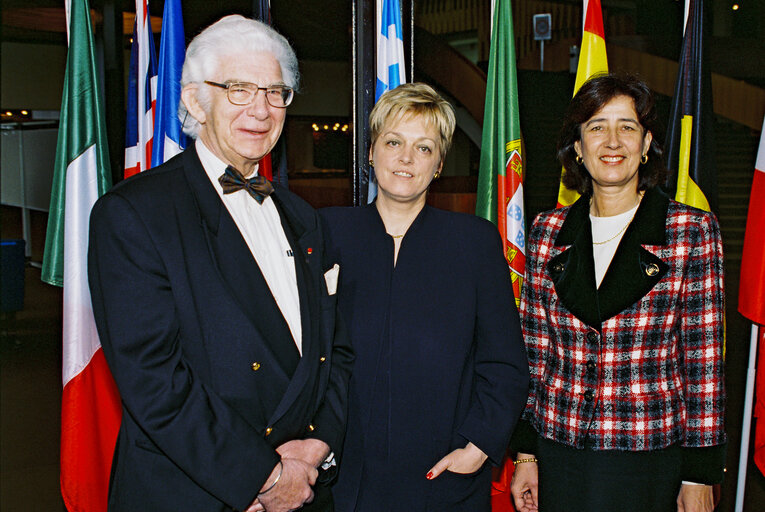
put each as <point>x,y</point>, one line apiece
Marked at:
<point>759,407</point>
<point>501,498</point>
<point>751,296</point>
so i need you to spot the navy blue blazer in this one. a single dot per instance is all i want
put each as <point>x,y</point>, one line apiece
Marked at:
<point>439,358</point>
<point>210,378</point>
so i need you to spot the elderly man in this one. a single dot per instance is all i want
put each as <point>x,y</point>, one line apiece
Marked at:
<point>215,304</point>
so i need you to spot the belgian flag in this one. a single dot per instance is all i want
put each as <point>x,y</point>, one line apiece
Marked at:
<point>690,145</point>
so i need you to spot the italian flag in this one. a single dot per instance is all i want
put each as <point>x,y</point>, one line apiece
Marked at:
<point>592,61</point>
<point>91,411</point>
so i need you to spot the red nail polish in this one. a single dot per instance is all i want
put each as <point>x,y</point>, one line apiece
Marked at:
<point>430,475</point>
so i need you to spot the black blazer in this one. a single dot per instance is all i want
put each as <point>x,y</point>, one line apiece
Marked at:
<point>210,378</point>
<point>439,358</point>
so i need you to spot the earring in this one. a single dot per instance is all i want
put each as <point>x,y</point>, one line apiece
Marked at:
<point>437,175</point>
<point>579,159</point>
<point>644,159</point>
<point>371,163</point>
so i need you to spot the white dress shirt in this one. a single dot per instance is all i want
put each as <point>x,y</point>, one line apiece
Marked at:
<point>262,229</point>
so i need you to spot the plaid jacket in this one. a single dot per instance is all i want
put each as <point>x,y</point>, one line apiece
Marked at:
<point>636,364</point>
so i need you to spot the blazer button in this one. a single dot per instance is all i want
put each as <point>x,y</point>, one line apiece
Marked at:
<point>592,337</point>
<point>589,395</point>
<point>559,267</point>
<point>268,431</point>
<point>255,366</point>
<point>322,359</point>
<point>311,428</point>
<point>652,269</point>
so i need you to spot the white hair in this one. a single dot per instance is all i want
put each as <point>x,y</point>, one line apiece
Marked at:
<point>227,37</point>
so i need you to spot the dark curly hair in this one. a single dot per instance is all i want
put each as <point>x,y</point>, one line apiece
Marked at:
<point>593,96</point>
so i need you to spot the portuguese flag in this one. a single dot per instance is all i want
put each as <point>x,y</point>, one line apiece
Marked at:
<point>500,179</point>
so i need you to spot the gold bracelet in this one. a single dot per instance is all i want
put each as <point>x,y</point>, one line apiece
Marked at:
<point>521,461</point>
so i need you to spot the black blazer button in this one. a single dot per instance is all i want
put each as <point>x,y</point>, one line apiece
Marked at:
<point>592,337</point>
<point>559,267</point>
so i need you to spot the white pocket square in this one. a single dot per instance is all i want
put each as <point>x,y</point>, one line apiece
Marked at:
<point>331,276</point>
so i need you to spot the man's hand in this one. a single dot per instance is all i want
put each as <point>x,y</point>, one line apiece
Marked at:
<point>695,498</point>
<point>311,451</point>
<point>292,491</point>
<point>525,485</point>
<point>462,460</point>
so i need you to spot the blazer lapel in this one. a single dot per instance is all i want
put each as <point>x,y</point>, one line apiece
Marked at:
<point>303,239</point>
<point>237,267</point>
<point>634,270</point>
<point>632,273</point>
<point>573,270</point>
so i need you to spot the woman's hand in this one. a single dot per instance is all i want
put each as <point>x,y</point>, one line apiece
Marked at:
<point>462,460</point>
<point>525,484</point>
<point>695,498</point>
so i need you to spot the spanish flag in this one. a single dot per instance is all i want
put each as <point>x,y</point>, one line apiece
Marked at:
<point>592,61</point>
<point>690,136</point>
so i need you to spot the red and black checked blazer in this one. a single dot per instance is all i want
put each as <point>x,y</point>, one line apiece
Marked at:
<point>636,364</point>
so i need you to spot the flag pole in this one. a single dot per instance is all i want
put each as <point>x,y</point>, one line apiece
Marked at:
<point>746,427</point>
<point>363,93</point>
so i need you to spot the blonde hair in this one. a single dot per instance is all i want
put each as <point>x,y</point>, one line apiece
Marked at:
<point>415,99</point>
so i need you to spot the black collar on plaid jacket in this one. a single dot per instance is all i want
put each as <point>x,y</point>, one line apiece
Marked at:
<point>633,270</point>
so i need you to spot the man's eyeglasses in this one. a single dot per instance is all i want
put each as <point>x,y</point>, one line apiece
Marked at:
<point>242,93</point>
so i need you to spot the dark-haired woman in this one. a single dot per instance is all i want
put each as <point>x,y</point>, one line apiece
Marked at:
<point>622,315</point>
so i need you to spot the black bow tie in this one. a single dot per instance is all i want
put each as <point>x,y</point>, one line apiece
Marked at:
<point>258,187</point>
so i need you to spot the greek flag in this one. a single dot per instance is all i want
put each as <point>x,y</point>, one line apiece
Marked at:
<point>390,60</point>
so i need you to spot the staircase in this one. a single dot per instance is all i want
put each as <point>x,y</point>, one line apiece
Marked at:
<point>736,154</point>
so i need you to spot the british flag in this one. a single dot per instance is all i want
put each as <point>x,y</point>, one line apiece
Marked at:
<point>142,94</point>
